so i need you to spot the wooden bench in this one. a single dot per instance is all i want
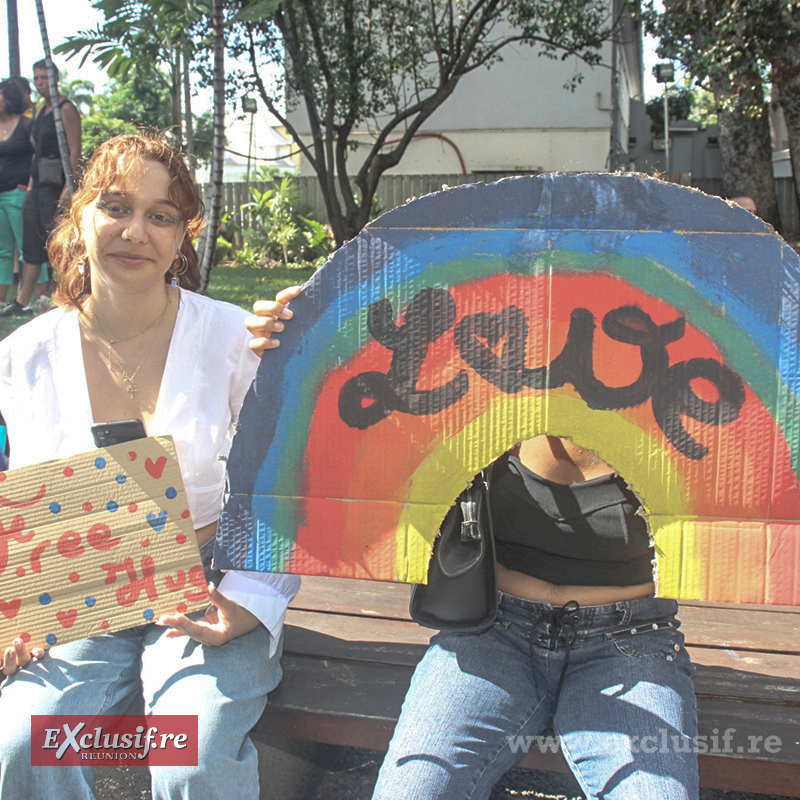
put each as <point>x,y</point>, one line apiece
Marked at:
<point>350,650</point>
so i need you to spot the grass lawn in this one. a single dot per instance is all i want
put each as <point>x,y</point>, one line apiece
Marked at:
<point>238,285</point>
<point>244,285</point>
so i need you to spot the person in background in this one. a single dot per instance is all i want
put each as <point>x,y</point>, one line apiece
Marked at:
<point>45,192</point>
<point>16,152</point>
<point>28,108</point>
<point>742,199</point>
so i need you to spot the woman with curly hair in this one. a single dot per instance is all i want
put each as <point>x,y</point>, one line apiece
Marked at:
<point>133,339</point>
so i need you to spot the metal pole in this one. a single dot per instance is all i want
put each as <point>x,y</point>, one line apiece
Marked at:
<point>666,128</point>
<point>249,150</point>
<point>613,164</point>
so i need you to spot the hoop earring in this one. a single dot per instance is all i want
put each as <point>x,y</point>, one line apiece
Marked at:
<point>176,274</point>
<point>83,269</point>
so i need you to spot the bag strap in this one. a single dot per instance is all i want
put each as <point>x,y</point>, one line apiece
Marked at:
<point>470,524</point>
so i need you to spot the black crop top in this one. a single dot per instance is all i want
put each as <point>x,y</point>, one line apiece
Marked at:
<point>15,157</point>
<point>583,534</point>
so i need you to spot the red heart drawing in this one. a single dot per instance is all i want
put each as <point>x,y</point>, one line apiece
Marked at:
<point>132,455</point>
<point>155,469</point>
<point>9,610</point>
<point>67,618</point>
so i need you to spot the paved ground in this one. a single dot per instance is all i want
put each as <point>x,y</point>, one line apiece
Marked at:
<point>344,773</point>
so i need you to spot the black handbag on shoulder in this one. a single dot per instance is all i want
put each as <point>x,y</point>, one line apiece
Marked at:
<point>461,593</point>
<point>50,172</point>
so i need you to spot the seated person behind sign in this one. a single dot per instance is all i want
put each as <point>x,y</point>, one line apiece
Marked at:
<point>741,198</point>
<point>129,343</point>
<point>581,644</point>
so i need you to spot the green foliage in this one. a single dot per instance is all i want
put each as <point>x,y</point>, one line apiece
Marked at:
<point>249,255</point>
<point>726,46</point>
<point>277,221</point>
<point>705,107</point>
<point>681,106</point>
<point>135,33</point>
<point>222,250</point>
<point>79,91</point>
<point>138,100</point>
<point>386,66</point>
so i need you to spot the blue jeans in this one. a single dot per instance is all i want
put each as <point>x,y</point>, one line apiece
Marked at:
<point>615,680</point>
<point>11,234</point>
<point>225,686</point>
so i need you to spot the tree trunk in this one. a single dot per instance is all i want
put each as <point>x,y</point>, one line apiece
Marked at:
<point>746,149</point>
<point>786,93</point>
<point>187,111</point>
<point>214,199</point>
<point>13,39</point>
<point>63,147</point>
<point>175,98</point>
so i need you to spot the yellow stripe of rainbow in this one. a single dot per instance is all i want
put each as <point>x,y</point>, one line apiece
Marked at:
<point>462,454</point>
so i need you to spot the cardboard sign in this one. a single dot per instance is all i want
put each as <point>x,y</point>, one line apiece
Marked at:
<point>650,323</point>
<point>95,543</point>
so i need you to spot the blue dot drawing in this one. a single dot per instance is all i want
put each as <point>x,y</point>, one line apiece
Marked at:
<point>120,479</point>
<point>90,601</point>
<point>171,493</point>
<point>148,614</point>
<point>44,599</point>
<point>112,506</point>
<point>99,462</point>
<point>51,638</point>
<point>55,507</point>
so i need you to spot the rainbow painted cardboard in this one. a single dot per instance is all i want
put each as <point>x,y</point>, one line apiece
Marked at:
<point>650,323</point>
<point>95,543</point>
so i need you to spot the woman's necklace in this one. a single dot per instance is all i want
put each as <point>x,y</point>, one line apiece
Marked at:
<point>128,380</point>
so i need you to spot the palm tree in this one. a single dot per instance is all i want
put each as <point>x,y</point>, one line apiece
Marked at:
<point>13,38</point>
<point>214,197</point>
<point>63,147</point>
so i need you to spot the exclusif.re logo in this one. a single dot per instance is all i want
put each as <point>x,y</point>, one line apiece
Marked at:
<point>67,740</point>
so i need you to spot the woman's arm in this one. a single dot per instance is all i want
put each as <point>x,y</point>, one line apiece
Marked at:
<point>225,619</point>
<point>72,128</point>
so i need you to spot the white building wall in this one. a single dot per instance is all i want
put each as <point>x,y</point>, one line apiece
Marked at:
<point>517,116</point>
<point>571,149</point>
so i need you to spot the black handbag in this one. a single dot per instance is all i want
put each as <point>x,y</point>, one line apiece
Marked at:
<point>461,593</point>
<point>50,172</point>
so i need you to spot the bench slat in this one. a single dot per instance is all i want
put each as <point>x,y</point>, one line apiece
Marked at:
<point>741,628</point>
<point>356,705</point>
<point>771,629</point>
<point>764,677</point>
<point>350,650</point>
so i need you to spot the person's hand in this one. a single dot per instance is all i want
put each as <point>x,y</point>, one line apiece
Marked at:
<point>17,656</point>
<point>267,319</point>
<point>224,620</point>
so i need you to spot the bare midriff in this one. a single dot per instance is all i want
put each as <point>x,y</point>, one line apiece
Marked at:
<point>562,461</point>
